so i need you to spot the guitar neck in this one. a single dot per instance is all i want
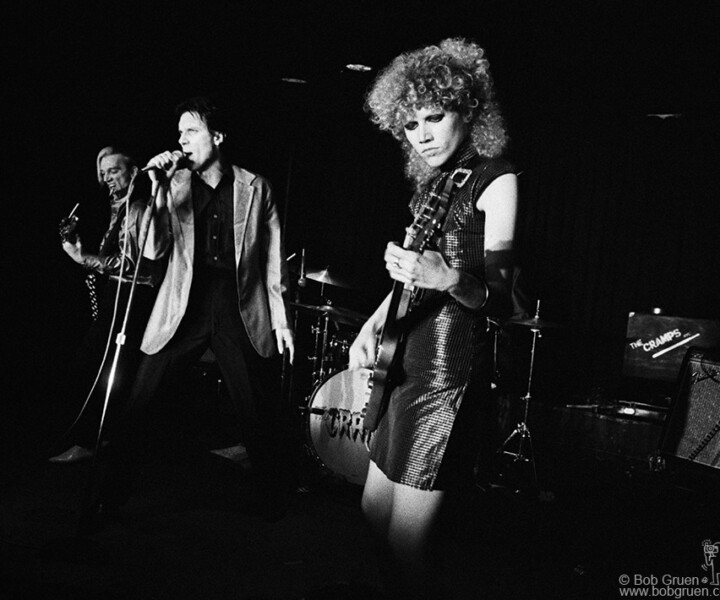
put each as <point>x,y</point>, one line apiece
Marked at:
<point>399,304</point>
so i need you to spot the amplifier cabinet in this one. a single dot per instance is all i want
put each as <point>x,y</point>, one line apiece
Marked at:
<point>692,432</point>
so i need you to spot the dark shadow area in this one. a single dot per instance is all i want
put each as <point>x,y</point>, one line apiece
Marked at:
<point>597,512</point>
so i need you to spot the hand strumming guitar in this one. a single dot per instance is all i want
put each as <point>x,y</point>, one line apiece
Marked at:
<point>362,351</point>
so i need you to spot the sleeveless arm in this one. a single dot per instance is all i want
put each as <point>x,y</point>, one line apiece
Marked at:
<point>499,203</point>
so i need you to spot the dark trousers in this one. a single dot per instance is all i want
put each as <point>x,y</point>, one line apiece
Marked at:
<point>212,319</point>
<point>101,337</point>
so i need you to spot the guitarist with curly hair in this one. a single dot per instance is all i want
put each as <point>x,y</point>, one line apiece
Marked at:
<point>432,365</point>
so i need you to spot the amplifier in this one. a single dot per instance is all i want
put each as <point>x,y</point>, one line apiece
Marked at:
<point>693,428</point>
<point>618,434</point>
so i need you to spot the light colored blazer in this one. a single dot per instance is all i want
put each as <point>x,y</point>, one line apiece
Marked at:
<point>262,275</point>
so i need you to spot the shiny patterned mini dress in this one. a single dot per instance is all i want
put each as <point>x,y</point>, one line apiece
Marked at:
<point>424,440</point>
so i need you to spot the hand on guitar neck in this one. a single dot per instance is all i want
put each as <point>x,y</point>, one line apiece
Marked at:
<point>428,270</point>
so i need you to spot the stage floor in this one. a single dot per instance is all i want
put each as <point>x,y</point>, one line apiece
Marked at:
<point>186,535</point>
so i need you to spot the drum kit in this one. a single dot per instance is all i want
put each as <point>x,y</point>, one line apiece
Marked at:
<point>334,328</point>
<point>333,411</point>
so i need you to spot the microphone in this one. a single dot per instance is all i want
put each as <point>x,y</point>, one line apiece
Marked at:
<point>179,159</point>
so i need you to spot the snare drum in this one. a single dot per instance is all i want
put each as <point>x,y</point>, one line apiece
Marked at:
<point>335,424</point>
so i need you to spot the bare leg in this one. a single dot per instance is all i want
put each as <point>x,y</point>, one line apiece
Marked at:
<point>377,508</point>
<point>402,519</point>
<point>377,501</point>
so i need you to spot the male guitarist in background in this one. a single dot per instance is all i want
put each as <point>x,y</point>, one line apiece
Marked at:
<point>120,248</point>
<point>439,103</point>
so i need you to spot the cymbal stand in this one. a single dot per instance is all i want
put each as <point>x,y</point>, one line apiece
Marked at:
<point>494,327</point>
<point>321,343</point>
<point>321,339</point>
<point>522,431</point>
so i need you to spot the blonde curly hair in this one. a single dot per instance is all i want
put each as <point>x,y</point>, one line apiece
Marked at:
<point>453,75</point>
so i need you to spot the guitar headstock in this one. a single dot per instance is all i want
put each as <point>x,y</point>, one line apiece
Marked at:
<point>67,228</point>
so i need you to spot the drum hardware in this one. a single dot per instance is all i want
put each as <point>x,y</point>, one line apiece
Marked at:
<point>339,345</point>
<point>522,432</point>
<point>320,332</point>
<point>496,328</point>
<point>330,349</point>
<point>321,339</point>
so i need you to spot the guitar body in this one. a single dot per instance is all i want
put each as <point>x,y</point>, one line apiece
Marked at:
<point>388,354</point>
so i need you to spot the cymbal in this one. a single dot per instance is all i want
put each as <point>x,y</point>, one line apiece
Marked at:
<point>324,276</point>
<point>311,307</point>
<point>345,316</point>
<point>533,323</point>
<point>341,315</point>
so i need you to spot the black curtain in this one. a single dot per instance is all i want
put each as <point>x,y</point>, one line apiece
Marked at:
<point>617,215</point>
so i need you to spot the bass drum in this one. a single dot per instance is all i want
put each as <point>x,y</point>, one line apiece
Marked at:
<point>335,424</point>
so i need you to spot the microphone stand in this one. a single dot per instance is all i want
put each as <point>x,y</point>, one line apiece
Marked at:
<point>120,338</point>
<point>288,381</point>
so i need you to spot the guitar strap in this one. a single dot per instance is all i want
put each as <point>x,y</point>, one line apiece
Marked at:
<point>90,282</point>
<point>458,178</point>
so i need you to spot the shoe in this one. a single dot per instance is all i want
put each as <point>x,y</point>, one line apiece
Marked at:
<point>237,454</point>
<point>74,454</point>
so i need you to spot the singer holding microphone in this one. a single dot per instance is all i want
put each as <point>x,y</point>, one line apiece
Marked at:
<point>226,288</point>
<point>119,249</point>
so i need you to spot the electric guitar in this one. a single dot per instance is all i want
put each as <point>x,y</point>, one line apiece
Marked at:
<point>68,233</point>
<point>425,229</point>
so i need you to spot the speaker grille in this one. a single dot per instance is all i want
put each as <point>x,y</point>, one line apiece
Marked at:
<point>693,431</point>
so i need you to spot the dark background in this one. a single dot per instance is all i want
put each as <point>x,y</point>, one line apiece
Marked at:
<point>619,208</point>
